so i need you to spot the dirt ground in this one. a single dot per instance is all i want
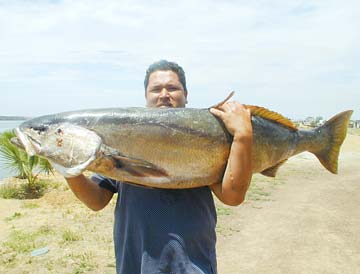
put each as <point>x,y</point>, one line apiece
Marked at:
<point>307,220</point>
<point>310,222</point>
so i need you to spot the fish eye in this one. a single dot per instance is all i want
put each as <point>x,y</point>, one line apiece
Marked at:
<point>39,129</point>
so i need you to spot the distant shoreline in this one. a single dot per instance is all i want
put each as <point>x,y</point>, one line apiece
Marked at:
<point>13,118</point>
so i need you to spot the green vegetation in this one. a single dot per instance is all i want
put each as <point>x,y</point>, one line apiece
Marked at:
<point>16,215</point>
<point>223,211</point>
<point>15,251</point>
<point>24,191</point>
<point>30,205</point>
<point>70,236</point>
<point>259,188</point>
<point>84,262</point>
<point>21,190</point>
<point>24,166</point>
<point>257,192</point>
<point>44,230</point>
<point>17,160</point>
<point>21,242</point>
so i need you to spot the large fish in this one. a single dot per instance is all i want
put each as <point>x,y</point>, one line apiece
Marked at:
<point>171,148</point>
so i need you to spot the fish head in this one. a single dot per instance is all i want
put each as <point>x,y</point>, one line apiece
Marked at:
<point>63,143</point>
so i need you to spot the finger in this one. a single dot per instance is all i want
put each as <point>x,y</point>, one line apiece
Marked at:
<point>224,101</point>
<point>239,107</point>
<point>216,112</point>
<point>221,107</point>
<point>227,107</point>
<point>233,106</point>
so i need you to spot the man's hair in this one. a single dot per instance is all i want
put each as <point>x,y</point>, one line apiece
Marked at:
<point>164,65</point>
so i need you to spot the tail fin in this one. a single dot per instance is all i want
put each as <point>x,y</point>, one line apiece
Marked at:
<point>336,128</point>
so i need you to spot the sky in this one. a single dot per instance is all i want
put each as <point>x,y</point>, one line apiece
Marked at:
<point>298,58</point>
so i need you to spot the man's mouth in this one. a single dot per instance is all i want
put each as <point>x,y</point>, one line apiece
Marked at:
<point>164,105</point>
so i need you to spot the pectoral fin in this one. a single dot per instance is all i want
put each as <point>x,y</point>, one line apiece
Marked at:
<point>139,168</point>
<point>271,171</point>
<point>135,167</point>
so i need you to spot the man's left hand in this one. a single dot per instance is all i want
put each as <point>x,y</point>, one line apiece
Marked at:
<point>236,118</point>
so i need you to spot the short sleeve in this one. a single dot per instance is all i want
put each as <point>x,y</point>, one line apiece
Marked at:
<point>107,183</point>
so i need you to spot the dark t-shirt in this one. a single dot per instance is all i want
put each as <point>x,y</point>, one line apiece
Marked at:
<point>163,231</point>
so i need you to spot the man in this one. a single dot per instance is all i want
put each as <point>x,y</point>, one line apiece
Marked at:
<point>172,231</point>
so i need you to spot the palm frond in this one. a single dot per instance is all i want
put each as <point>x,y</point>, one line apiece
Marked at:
<point>13,158</point>
<point>18,162</point>
<point>46,167</point>
<point>10,156</point>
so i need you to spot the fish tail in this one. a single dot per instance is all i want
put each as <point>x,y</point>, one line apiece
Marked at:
<point>335,131</point>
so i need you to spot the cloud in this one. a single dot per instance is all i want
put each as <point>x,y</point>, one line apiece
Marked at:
<point>271,52</point>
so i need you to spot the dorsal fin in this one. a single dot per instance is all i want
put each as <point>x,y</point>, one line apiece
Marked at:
<point>271,115</point>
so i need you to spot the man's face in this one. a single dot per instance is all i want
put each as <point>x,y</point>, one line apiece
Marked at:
<point>165,90</point>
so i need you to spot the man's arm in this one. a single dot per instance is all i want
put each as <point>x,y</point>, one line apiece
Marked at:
<point>89,192</point>
<point>238,171</point>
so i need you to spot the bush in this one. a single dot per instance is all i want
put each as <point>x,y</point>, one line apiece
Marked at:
<point>24,190</point>
<point>24,166</point>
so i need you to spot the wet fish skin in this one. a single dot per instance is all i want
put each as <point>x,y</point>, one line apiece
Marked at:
<point>172,148</point>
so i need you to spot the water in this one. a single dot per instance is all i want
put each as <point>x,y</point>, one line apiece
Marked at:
<point>8,125</point>
<point>4,126</point>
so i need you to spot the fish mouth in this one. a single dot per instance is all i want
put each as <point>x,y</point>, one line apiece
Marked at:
<point>16,142</point>
<point>25,141</point>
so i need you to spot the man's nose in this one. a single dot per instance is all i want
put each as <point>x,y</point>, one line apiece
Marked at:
<point>164,92</point>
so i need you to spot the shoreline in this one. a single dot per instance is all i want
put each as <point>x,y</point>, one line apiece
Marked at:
<point>13,118</point>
